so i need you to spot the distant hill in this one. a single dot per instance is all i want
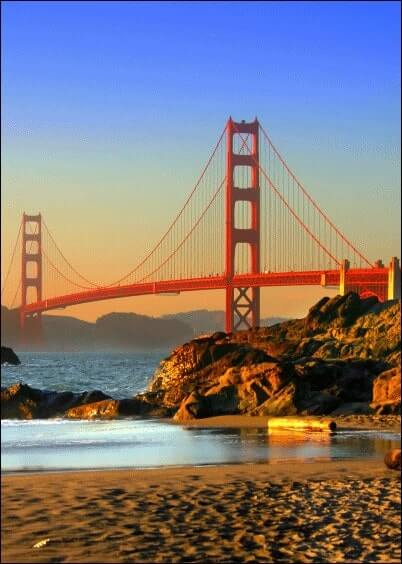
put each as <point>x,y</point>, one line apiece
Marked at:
<point>206,321</point>
<point>123,330</point>
<point>115,331</point>
<point>9,327</point>
<point>200,320</point>
<point>69,333</point>
<point>120,331</point>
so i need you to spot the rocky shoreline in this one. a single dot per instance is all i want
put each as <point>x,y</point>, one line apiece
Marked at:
<point>342,359</point>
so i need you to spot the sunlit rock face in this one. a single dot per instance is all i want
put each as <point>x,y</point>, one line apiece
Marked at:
<point>387,392</point>
<point>199,365</point>
<point>342,357</point>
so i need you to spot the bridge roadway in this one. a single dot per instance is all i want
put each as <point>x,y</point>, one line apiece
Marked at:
<point>356,279</point>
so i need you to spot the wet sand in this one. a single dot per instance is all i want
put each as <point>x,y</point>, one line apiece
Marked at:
<point>345,511</point>
<point>322,511</point>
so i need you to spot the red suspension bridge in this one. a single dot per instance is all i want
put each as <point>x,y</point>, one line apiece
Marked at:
<point>247,223</point>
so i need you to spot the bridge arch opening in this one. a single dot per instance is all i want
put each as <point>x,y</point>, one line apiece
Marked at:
<point>242,259</point>
<point>243,176</point>
<point>31,247</point>
<point>32,295</point>
<point>31,269</point>
<point>243,215</point>
<point>242,143</point>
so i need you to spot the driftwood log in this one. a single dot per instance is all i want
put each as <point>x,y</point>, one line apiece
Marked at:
<point>300,424</point>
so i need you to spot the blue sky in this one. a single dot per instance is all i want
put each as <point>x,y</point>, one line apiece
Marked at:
<point>110,107</point>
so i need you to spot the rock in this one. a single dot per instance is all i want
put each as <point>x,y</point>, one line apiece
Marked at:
<point>254,384</point>
<point>8,356</point>
<point>20,401</point>
<point>340,311</point>
<point>189,409</point>
<point>106,409</point>
<point>195,406</point>
<point>387,392</point>
<point>198,366</point>
<point>113,409</point>
<point>283,402</point>
<point>393,459</point>
<point>223,402</point>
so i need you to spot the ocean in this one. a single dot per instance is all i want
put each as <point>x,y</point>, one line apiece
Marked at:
<point>120,375</point>
<point>58,444</point>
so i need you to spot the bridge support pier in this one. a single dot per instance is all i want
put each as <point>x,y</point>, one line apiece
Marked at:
<point>31,278</point>
<point>394,279</point>
<point>343,289</point>
<point>242,303</point>
<point>383,290</point>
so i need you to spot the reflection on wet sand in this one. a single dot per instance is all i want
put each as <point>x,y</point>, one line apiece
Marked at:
<point>301,445</point>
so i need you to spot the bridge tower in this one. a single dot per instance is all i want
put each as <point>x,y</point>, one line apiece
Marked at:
<point>31,277</point>
<point>242,303</point>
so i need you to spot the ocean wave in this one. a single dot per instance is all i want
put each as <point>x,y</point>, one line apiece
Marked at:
<point>106,443</point>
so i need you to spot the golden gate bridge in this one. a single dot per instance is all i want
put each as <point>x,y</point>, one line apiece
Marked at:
<point>247,223</point>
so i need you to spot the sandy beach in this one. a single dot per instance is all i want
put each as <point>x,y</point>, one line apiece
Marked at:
<point>346,511</point>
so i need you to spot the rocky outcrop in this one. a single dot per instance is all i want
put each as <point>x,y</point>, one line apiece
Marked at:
<point>20,401</point>
<point>8,356</point>
<point>340,359</point>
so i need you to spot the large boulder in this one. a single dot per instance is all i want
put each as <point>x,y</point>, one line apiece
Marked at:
<point>8,356</point>
<point>387,392</point>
